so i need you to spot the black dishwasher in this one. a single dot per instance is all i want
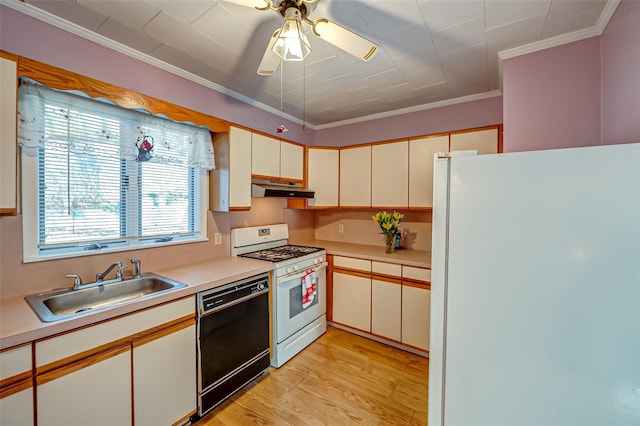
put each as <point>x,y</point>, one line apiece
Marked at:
<point>233,338</point>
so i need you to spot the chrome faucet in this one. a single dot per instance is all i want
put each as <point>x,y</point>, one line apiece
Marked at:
<point>77,281</point>
<point>100,277</point>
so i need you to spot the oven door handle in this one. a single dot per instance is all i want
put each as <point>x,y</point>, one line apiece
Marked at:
<point>286,278</point>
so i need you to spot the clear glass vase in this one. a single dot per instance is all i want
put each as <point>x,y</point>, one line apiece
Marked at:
<point>390,243</point>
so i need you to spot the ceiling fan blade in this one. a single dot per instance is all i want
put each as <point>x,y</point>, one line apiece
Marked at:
<point>270,61</point>
<point>345,39</point>
<point>257,4</point>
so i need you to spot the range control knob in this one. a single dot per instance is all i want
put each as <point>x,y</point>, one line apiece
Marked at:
<point>289,269</point>
<point>295,267</point>
<point>260,286</point>
<point>316,261</point>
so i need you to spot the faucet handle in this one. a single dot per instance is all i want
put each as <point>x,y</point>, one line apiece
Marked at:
<point>77,281</point>
<point>120,269</point>
<point>137,263</point>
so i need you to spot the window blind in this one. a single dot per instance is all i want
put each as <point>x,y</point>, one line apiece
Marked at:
<point>98,186</point>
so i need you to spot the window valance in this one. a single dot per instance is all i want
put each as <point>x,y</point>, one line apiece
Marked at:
<point>83,124</point>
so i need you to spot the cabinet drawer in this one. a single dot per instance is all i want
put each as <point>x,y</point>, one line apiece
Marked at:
<point>75,342</point>
<point>384,268</point>
<point>15,361</point>
<point>352,263</point>
<point>418,274</point>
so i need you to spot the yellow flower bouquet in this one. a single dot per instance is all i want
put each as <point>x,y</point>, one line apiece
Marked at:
<point>389,223</point>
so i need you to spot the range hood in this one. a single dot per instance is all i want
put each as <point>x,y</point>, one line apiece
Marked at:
<point>260,189</point>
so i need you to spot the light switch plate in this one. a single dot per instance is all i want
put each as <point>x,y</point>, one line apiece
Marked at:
<point>340,227</point>
<point>218,238</point>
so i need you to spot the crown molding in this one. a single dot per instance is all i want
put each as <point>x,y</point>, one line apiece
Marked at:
<point>596,30</point>
<point>417,108</point>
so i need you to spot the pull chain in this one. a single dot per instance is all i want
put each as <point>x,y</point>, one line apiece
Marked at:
<point>281,128</point>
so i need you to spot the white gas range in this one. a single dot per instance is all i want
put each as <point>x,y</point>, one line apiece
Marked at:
<point>299,287</point>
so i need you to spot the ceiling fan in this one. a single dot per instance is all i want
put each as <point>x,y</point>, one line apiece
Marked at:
<point>294,12</point>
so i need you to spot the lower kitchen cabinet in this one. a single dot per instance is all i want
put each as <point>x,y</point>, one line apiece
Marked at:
<point>386,300</point>
<point>16,407</point>
<point>16,386</point>
<point>386,305</point>
<point>416,306</point>
<point>164,377</point>
<point>93,391</point>
<point>352,300</point>
<point>137,369</point>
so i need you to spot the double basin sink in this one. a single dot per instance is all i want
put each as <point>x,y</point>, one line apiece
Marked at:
<point>68,303</point>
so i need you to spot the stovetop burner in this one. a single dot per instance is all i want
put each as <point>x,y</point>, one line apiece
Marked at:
<point>281,253</point>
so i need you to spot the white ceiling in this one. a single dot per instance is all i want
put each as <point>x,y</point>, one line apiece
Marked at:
<point>432,52</point>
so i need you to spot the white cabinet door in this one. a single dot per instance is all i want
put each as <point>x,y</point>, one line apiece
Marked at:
<point>164,374</point>
<point>322,176</point>
<point>291,161</point>
<point>8,141</point>
<point>239,168</point>
<point>416,309</point>
<point>485,141</point>
<point>230,181</point>
<point>355,176</point>
<point>386,305</point>
<point>352,301</point>
<point>17,408</point>
<point>97,393</point>
<point>421,152</point>
<point>390,174</point>
<point>16,395</point>
<point>265,156</point>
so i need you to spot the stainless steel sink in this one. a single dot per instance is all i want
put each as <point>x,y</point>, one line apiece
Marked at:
<point>59,304</point>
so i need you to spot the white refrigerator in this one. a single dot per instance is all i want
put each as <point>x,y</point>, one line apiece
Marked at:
<point>535,315</point>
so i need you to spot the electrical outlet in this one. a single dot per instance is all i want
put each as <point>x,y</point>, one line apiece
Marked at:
<point>218,238</point>
<point>340,228</point>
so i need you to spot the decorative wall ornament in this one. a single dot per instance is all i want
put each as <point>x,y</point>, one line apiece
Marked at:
<point>145,146</point>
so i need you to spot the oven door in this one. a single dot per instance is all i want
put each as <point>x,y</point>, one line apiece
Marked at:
<point>291,315</point>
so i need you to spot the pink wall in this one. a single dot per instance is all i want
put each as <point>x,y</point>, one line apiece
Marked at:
<point>552,97</point>
<point>621,75</point>
<point>480,113</point>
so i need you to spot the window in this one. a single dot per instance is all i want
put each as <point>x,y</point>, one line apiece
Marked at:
<point>97,177</point>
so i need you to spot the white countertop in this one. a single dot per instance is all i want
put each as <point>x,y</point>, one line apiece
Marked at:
<point>19,323</point>
<point>417,258</point>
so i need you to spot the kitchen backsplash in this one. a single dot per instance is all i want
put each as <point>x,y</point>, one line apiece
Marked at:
<point>358,227</point>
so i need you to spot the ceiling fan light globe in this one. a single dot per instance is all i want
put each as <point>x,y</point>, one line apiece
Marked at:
<point>292,43</point>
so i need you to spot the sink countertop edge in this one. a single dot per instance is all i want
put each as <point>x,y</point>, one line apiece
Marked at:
<point>19,324</point>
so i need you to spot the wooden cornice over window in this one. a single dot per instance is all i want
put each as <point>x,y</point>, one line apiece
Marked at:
<point>58,78</point>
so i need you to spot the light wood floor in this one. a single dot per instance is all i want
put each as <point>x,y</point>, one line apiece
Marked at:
<point>340,379</point>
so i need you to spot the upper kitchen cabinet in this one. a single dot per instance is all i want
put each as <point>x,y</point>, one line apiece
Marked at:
<point>230,182</point>
<point>355,176</point>
<point>275,158</point>
<point>322,176</point>
<point>291,161</point>
<point>8,141</point>
<point>421,152</point>
<point>265,156</point>
<point>390,174</point>
<point>485,140</point>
